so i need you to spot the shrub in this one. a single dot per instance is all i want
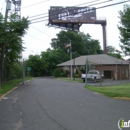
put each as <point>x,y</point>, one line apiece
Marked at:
<point>77,76</point>
<point>56,73</point>
<point>82,70</point>
<point>63,75</point>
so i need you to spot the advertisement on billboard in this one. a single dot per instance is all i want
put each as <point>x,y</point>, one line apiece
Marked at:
<point>71,14</point>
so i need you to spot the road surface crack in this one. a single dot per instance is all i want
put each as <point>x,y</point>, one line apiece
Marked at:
<point>49,115</point>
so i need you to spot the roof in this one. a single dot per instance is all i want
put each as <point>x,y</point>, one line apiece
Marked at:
<point>95,59</point>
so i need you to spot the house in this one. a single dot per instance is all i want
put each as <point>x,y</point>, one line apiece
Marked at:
<point>110,67</point>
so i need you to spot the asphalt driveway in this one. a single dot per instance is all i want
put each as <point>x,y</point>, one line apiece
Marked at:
<point>50,104</point>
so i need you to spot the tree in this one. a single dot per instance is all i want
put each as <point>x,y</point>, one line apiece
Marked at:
<point>112,51</point>
<point>52,58</point>
<point>11,33</point>
<point>82,44</point>
<point>124,28</point>
<point>36,64</point>
<point>90,46</point>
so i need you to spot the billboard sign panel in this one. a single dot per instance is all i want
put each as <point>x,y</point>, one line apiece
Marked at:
<point>71,14</point>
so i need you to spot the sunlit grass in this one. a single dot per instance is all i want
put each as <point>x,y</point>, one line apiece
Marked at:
<point>113,91</point>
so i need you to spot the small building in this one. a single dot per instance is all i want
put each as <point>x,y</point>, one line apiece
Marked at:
<point>110,67</point>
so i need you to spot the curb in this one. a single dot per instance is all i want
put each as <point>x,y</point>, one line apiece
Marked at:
<point>121,98</point>
<point>3,95</point>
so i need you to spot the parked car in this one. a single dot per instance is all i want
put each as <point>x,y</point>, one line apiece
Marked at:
<point>93,75</point>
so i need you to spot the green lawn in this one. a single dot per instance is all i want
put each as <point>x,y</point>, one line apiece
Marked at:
<point>113,91</point>
<point>10,85</point>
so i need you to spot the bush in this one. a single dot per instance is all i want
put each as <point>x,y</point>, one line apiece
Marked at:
<point>63,75</point>
<point>77,76</point>
<point>56,73</point>
<point>83,70</point>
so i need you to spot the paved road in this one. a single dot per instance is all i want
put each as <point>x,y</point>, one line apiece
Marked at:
<point>49,104</point>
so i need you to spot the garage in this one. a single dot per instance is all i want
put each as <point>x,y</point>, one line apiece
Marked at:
<point>108,74</point>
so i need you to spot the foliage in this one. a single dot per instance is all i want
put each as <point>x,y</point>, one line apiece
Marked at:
<point>57,72</point>
<point>124,28</point>
<point>82,44</point>
<point>63,74</point>
<point>13,70</point>
<point>36,64</point>
<point>83,70</point>
<point>115,55</point>
<point>112,51</point>
<point>77,76</point>
<point>90,46</point>
<point>11,32</point>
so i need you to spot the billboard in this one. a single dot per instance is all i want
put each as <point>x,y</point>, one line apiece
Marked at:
<point>59,14</point>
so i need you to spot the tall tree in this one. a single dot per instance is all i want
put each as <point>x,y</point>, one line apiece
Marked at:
<point>112,51</point>
<point>52,58</point>
<point>124,28</point>
<point>90,45</point>
<point>82,44</point>
<point>11,33</point>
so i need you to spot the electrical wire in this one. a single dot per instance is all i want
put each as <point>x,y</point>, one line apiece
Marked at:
<point>40,31</point>
<point>35,4</point>
<point>89,10</point>
<point>38,15</point>
<point>76,5</point>
<point>72,9</point>
<point>36,38</point>
<point>73,6</point>
<point>83,7</point>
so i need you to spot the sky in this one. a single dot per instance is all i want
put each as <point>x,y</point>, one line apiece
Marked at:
<point>38,37</point>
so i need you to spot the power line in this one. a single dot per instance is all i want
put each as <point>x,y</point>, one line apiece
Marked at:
<point>85,6</point>
<point>37,38</point>
<point>37,15</point>
<point>87,3</point>
<point>40,31</point>
<point>39,18</point>
<point>35,4</point>
<point>91,9</point>
<point>74,6</point>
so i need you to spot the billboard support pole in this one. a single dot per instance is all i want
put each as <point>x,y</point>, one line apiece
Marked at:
<point>104,38</point>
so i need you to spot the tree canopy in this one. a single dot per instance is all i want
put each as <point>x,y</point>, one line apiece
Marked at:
<point>112,51</point>
<point>124,28</point>
<point>11,32</point>
<point>82,44</point>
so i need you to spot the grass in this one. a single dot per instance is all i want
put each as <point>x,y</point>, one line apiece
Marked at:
<point>71,80</point>
<point>113,91</point>
<point>9,85</point>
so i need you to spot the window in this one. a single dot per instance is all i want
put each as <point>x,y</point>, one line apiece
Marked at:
<point>66,68</point>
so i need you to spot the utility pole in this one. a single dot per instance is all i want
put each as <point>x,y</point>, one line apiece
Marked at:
<point>8,7</point>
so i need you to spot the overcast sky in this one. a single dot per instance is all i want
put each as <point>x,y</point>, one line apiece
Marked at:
<point>39,35</point>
